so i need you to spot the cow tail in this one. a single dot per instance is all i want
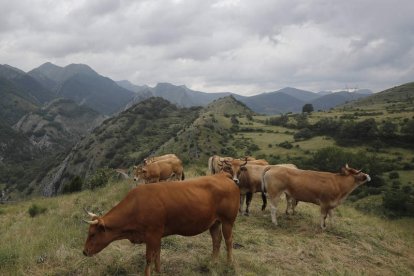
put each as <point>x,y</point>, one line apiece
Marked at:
<point>182,176</point>
<point>264,198</point>
<point>210,165</point>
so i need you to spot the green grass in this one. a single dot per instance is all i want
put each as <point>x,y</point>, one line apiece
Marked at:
<point>354,243</point>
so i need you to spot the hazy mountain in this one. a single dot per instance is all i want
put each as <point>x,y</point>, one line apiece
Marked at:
<point>273,103</point>
<point>299,94</point>
<point>58,125</point>
<point>331,100</point>
<point>401,93</point>
<point>132,87</point>
<point>83,85</point>
<point>176,94</point>
<point>123,140</point>
<point>31,88</point>
<point>14,103</point>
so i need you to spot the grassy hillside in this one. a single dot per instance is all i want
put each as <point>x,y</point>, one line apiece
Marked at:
<point>59,124</point>
<point>211,133</point>
<point>51,242</point>
<point>121,141</point>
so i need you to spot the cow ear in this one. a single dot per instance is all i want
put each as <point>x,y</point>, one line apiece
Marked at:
<point>344,171</point>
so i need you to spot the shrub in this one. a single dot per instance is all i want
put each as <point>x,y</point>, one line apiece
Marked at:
<point>304,133</point>
<point>100,178</point>
<point>399,201</point>
<point>74,186</point>
<point>286,145</point>
<point>35,210</point>
<point>393,175</point>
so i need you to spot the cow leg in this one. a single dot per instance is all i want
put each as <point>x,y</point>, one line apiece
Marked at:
<point>288,203</point>
<point>228,237</point>
<point>331,216</point>
<point>242,197</point>
<point>273,202</point>
<point>249,197</point>
<point>215,232</point>
<point>153,250</point>
<point>324,214</point>
<point>264,199</point>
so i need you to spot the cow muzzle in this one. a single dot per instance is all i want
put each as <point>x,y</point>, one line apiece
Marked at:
<point>368,177</point>
<point>236,181</point>
<point>135,179</point>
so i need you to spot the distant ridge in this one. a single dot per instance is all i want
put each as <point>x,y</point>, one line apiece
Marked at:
<point>82,84</point>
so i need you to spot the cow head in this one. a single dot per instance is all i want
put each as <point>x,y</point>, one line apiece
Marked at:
<point>138,172</point>
<point>99,235</point>
<point>238,167</point>
<point>360,177</point>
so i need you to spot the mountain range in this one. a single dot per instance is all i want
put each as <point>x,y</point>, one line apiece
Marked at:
<point>85,86</point>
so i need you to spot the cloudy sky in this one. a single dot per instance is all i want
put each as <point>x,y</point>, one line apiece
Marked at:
<point>246,47</point>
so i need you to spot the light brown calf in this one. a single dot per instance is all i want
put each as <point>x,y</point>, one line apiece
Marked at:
<point>161,170</point>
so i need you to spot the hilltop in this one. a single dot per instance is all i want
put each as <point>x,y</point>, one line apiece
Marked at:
<point>210,133</point>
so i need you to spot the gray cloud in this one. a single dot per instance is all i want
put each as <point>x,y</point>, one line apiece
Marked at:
<point>242,46</point>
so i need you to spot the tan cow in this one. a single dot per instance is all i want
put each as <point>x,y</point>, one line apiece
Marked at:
<point>248,176</point>
<point>325,189</point>
<point>215,162</point>
<point>158,158</point>
<point>162,170</point>
<point>150,212</point>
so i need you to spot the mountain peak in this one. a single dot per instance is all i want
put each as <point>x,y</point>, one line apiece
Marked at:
<point>80,69</point>
<point>10,72</point>
<point>228,105</point>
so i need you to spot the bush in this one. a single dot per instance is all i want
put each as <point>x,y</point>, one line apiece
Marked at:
<point>74,186</point>
<point>399,201</point>
<point>393,175</point>
<point>286,145</point>
<point>100,178</point>
<point>35,210</point>
<point>303,134</point>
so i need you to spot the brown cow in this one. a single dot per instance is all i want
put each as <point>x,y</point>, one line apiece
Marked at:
<point>325,189</point>
<point>150,212</point>
<point>161,170</point>
<point>247,175</point>
<point>158,158</point>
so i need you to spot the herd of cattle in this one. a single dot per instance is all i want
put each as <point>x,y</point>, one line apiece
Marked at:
<point>190,207</point>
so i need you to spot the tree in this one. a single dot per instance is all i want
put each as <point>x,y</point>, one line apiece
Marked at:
<point>308,108</point>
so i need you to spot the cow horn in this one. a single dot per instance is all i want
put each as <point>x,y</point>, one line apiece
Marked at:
<point>359,171</point>
<point>135,167</point>
<point>89,213</point>
<point>91,222</point>
<point>245,162</point>
<point>346,166</point>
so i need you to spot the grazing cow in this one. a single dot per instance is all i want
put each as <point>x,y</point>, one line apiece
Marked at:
<point>158,158</point>
<point>150,212</point>
<point>325,189</point>
<point>248,176</point>
<point>161,170</point>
